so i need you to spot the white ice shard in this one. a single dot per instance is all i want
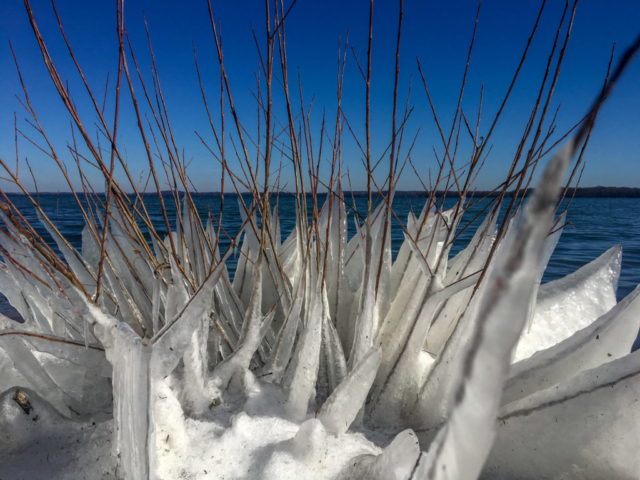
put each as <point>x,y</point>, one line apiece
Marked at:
<point>608,338</point>
<point>396,462</point>
<point>250,338</point>
<point>301,375</point>
<point>171,342</point>
<point>342,407</point>
<point>283,345</point>
<point>582,428</point>
<point>571,303</point>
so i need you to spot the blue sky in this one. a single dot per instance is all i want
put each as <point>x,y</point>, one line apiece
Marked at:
<point>437,32</point>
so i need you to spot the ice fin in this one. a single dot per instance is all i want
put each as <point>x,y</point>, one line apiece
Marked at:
<point>367,320</point>
<point>608,338</point>
<point>78,264</point>
<point>300,379</point>
<point>568,304</point>
<point>342,406</point>
<point>336,364</point>
<point>549,247</point>
<point>173,339</point>
<point>583,428</point>
<point>283,346</point>
<point>482,368</point>
<point>250,337</point>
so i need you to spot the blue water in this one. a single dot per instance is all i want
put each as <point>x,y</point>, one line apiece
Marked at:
<point>596,225</point>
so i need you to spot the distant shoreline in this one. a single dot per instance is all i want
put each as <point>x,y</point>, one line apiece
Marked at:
<point>581,192</point>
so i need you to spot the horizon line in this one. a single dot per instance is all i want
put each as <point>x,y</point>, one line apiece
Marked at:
<point>584,192</point>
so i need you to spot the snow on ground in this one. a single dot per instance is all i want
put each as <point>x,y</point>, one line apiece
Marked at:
<point>232,443</point>
<point>228,443</point>
<point>36,443</point>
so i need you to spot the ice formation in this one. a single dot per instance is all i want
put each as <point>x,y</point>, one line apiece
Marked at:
<point>140,358</point>
<point>301,367</point>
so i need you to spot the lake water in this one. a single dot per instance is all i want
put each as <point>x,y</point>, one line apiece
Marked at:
<point>596,225</point>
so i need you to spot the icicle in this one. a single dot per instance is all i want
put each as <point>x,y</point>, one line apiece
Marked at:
<point>211,233</point>
<point>399,390</point>
<point>177,294</point>
<point>86,333</point>
<point>470,260</point>
<point>194,385</point>
<point>242,280</point>
<point>431,407</point>
<point>133,264</point>
<point>11,289</point>
<point>133,402</point>
<point>195,242</point>
<point>34,300</point>
<point>155,301</point>
<point>19,250</point>
<point>90,251</point>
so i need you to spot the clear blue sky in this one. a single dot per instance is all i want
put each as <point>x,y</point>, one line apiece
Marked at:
<point>438,32</point>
